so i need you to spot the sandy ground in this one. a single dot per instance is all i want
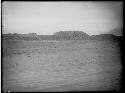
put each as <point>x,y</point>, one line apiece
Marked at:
<point>61,66</point>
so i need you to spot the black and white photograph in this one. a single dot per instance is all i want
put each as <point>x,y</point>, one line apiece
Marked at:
<point>61,46</point>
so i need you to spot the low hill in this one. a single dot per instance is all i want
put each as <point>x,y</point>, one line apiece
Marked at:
<point>19,37</point>
<point>116,32</point>
<point>105,37</point>
<point>62,35</point>
<point>71,35</point>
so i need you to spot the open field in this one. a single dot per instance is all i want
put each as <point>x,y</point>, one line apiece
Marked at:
<point>61,65</point>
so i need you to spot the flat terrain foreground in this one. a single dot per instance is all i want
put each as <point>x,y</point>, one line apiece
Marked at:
<point>61,66</point>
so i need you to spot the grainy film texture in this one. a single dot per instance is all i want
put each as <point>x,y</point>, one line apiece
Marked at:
<point>61,46</point>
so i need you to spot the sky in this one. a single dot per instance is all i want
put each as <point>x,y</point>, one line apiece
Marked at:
<point>46,18</point>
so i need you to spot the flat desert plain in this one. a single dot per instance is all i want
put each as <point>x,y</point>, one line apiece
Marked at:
<point>61,65</point>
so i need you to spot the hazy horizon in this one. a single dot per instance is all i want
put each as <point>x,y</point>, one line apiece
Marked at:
<point>46,18</point>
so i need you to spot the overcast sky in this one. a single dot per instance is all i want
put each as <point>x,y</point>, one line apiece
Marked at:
<point>50,17</point>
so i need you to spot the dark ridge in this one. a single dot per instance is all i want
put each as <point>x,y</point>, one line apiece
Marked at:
<point>71,35</point>
<point>62,35</point>
<point>103,37</point>
<point>116,32</point>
